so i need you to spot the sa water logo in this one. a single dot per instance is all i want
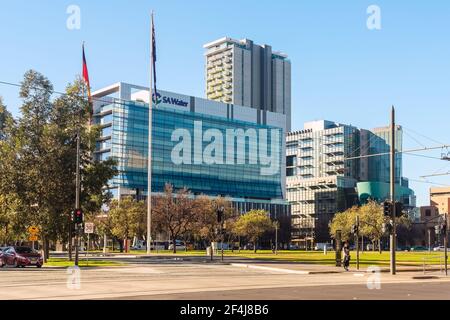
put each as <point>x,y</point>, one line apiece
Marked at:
<point>156,98</point>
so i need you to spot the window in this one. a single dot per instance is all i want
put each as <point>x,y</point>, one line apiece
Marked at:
<point>428,213</point>
<point>24,250</point>
<point>291,161</point>
<point>104,156</point>
<point>290,172</point>
<point>106,132</point>
<point>106,119</point>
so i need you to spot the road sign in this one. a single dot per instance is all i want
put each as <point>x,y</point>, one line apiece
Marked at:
<point>88,228</point>
<point>33,238</point>
<point>33,230</point>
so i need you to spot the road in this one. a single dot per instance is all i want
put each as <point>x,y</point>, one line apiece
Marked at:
<point>400,291</point>
<point>174,279</point>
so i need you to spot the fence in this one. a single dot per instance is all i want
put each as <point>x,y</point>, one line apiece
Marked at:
<point>431,263</point>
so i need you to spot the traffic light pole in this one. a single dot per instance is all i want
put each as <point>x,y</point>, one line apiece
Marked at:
<point>222,239</point>
<point>357,242</point>
<point>392,189</point>
<point>70,238</point>
<point>77,196</point>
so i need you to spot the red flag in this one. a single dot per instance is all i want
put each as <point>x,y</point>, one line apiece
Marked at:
<point>86,80</point>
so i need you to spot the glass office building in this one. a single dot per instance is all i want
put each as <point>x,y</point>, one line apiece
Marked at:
<point>125,138</point>
<point>208,147</point>
<point>326,175</point>
<point>380,142</point>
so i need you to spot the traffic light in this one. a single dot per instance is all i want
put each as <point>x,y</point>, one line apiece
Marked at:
<point>354,229</point>
<point>443,228</point>
<point>387,208</point>
<point>437,229</point>
<point>398,209</point>
<point>220,214</point>
<point>77,216</point>
<point>387,227</point>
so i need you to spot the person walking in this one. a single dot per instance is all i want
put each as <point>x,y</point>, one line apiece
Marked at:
<point>346,253</point>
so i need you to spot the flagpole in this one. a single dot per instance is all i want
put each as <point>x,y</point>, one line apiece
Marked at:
<point>150,125</point>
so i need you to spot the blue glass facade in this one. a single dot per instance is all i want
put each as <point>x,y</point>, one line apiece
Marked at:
<point>379,166</point>
<point>125,138</point>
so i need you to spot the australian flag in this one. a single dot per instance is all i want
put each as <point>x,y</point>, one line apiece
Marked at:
<point>154,57</point>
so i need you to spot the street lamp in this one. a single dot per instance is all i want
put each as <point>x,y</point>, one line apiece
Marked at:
<point>220,211</point>
<point>276,237</point>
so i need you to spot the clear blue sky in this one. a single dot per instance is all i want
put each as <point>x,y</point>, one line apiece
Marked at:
<point>341,71</point>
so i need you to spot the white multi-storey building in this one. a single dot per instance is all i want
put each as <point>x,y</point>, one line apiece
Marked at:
<point>243,73</point>
<point>319,180</point>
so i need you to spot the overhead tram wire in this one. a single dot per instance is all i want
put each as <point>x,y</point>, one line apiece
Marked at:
<point>323,139</point>
<point>417,141</point>
<point>115,100</point>
<point>422,135</point>
<point>409,152</point>
<point>367,144</point>
<point>424,156</point>
<point>429,182</point>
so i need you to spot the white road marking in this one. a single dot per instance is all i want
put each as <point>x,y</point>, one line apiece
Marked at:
<point>242,265</point>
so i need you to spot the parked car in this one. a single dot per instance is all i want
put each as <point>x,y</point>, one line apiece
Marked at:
<point>139,245</point>
<point>419,248</point>
<point>2,258</point>
<point>440,248</point>
<point>22,257</point>
<point>402,248</point>
<point>321,246</point>
<point>180,246</point>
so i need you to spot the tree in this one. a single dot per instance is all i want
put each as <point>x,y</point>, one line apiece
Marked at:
<point>343,221</point>
<point>127,218</point>
<point>206,225</point>
<point>371,219</point>
<point>33,159</point>
<point>173,213</point>
<point>253,225</point>
<point>6,121</point>
<point>39,158</point>
<point>11,226</point>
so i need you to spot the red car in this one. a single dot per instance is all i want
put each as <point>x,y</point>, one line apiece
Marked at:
<point>22,257</point>
<point>2,257</point>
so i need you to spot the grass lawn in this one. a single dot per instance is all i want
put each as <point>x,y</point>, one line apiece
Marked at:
<point>314,257</point>
<point>366,258</point>
<point>63,262</point>
<point>318,257</point>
